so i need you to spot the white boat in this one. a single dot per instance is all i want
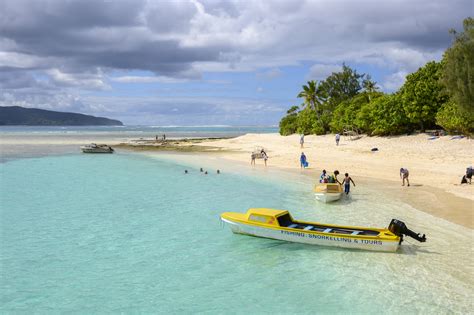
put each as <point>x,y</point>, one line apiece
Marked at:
<point>280,225</point>
<point>97,148</point>
<point>328,192</point>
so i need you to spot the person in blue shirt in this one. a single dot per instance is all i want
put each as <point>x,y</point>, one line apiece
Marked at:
<point>303,162</point>
<point>323,178</point>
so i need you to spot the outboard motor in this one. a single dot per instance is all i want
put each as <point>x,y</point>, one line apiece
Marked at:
<point>399,228</point>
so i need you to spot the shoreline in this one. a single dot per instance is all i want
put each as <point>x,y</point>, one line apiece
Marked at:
<point>437,200</point>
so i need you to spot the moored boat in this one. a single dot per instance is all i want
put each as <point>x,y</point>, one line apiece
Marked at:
<point>280,225</point>
<point>97,148</point>
<point>328,192</point>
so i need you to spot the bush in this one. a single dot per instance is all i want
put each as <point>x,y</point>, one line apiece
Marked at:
<point>289,123</point>
<point>454,119</point>
<point>346,112</point>
<point>305,121</point>
<point>387,116</point>
<point>363,119</point>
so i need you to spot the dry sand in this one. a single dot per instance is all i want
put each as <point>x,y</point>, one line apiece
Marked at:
<point>436,166</point>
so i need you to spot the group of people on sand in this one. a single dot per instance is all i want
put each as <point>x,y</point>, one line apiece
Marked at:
<point>338,138</point>
<point>404,173</point>
<point>262,154</point>
<point>346,181</point>
<point>163,137</point>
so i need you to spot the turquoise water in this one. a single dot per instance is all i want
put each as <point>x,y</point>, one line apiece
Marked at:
<point>128,233</point>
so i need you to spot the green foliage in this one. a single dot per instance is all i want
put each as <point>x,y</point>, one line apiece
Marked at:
<point>422,102</point>
<point>289,124</point>
<point>384,115</point>
<point>345,113</point>
<point>452,118</point>
<point>422,95</point>
<point>458,68</point>
<point>387,116</point>
<point>306,119</point>
<point>312,95</point>
<point>343,85</point>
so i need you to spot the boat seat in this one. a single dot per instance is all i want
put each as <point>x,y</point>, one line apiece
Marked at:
<point>309,227</point>
<point>356,232</point>
<point>292,226</point>
<point>327,230</point>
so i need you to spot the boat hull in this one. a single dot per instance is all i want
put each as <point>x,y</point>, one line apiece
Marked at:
<point>313,238</point>
<point>327,197</point>
<point>97,150</point>
<point>328,192</point>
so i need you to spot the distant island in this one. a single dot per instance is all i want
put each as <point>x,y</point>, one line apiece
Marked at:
<point>16,115</point>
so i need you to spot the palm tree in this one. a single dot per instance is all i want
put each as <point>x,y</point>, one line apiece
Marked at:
<point>369,85</point>
<point>312,96</point>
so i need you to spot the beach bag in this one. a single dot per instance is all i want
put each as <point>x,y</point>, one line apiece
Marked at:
<point>306,164</point>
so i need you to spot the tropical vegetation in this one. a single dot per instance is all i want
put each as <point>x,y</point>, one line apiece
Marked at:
<point>438,95</point>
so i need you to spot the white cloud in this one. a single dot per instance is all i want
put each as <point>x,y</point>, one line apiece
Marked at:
<point>84,80</point>
<point>67,47</point>
<point>147,79</point>
<point>394,81</point>
<point>322,71</point>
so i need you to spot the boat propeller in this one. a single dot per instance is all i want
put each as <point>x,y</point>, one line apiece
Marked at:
<point>399,228</point>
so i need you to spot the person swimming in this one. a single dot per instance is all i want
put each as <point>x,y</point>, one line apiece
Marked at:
<point>201,170</point>
<point>185,171</point>
<point>218,172</point>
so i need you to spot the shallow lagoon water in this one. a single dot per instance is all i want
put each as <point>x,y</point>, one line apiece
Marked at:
<point>128,233</point>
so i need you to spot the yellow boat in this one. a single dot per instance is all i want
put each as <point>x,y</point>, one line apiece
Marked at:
<point>327,192</point>
<point>280,225</point>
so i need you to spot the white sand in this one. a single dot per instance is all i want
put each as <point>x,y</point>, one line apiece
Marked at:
<point>438,163</point>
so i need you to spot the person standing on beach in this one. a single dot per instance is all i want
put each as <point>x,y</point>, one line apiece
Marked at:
<point>404,175</point>
<point>347,183</point>
<point>338,137</point>
<point>264,156</point>
<point>303,160</point>
<point>302,140</point>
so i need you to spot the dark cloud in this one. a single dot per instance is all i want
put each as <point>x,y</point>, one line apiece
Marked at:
<point>72,46</point>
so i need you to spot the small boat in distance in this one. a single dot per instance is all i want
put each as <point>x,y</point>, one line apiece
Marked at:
<point>280,225</point>
<point>328,192</point>
<point>97,148</point>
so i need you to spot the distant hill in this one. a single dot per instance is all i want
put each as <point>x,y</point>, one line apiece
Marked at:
<point>16,115</point>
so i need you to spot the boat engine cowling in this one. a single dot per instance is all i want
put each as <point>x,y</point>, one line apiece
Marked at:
<point>399,228</point>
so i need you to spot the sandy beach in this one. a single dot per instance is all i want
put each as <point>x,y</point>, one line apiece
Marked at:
<point>436,166</point>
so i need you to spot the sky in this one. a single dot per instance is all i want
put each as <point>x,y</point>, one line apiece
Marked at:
<point>210,62</point>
